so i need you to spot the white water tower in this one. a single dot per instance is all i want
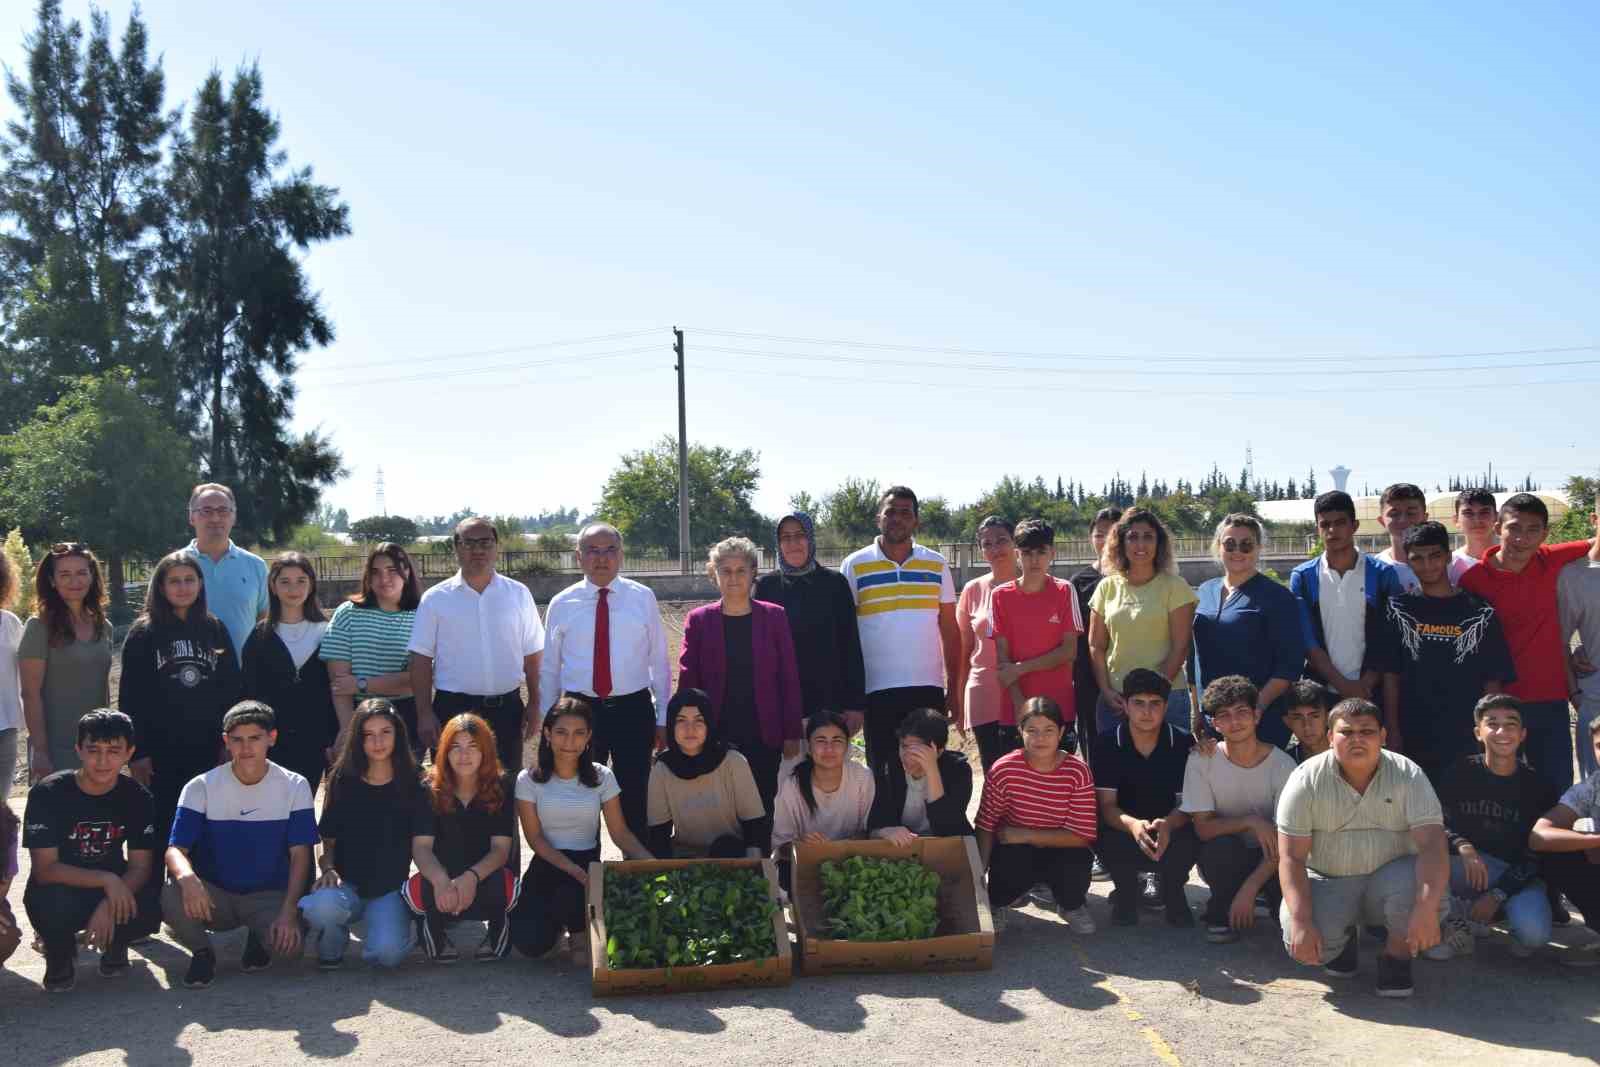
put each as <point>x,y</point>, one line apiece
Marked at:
<point>1341,475</point>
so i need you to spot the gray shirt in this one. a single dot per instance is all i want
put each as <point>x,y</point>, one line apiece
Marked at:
<point>77,678</point>
<point>1578,596</point>
<point>1215,783</point>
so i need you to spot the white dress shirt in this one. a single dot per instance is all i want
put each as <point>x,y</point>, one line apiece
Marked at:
<point>638,643</point>
<point>1342,599</point>
<point>477,641</point>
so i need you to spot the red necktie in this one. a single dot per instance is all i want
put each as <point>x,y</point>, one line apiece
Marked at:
<point>602,646</point>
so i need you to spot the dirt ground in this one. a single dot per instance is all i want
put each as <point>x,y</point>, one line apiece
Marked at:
<point>1121,996</point>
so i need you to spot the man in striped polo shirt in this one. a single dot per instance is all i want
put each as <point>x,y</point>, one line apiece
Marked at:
<point>906,612</point>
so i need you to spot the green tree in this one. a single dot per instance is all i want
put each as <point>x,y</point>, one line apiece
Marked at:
<point>101,465</point>
<point>641,496</point>
<point>396,528</point>
<point>82,202</point>
<point>1578,523</point>
<point>936,520</point>
<point>238,300</point>
<point>850,512</point>
<point>804,501</point>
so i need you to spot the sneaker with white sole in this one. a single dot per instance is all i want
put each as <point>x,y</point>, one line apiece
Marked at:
<point>1455,939</point>
<point>1079,919</point>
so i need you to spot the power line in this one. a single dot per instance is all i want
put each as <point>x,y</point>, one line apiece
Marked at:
<point>923,364</point>
<point>435,375</point>
<point>980,385</point>
<point>486,351</point>
<point>1192,357</point>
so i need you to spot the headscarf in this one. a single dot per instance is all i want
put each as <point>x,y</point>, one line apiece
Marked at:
<point>715,749</point>
<point>809,529</point>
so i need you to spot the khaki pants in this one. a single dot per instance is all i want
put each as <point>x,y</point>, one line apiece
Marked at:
<point>229,911</point>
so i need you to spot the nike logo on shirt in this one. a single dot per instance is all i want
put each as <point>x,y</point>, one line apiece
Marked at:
<point>243,813</point>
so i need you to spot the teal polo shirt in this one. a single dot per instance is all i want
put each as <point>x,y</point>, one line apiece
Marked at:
<point>236,590</point>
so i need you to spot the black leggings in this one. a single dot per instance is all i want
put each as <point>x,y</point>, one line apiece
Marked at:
<point>1015,869</point>
<point>494,902</point>
<point>552,901</point>
<point>995,739</point>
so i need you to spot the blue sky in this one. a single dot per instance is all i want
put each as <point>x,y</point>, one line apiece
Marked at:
<point>1057,211</point>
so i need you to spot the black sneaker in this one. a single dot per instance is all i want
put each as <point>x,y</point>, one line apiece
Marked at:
<point>1378,933</point>
<point>256,957</point>
<point>1179,915</point>
<point>448,953</point>
<point>60,977</point>
<point>1123,912</point>
<point>1394,976</point>
<point>202,970</point>
<point>486,951</point>
<point>114,962</point>
<point>1559,915</point>
<point>329,966</point>
<point>1098,872</point>
<point>1152,895</point>
<point>1345,964</point>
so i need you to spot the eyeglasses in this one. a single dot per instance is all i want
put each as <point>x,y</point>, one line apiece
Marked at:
<point>211,513</point>
<point>1244,545</point>
<point>68,548</point>
<point>476,542</point>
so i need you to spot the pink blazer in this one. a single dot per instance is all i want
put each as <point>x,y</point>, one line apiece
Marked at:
<point>703,665</point>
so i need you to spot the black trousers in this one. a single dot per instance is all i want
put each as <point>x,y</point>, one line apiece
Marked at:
<point>995,739</point>
<point>1123,860</point>
<point>171,770</point>
<point>551,901</point>
<point>1572,873</point>
<point>764,763</point>
<point>885,709</point>
<point>1015,869</point>
<point>495,899</point>
<point>58,912</point>
<point>503,713</point>
<point>1225,863</point>
<point>625,734</point>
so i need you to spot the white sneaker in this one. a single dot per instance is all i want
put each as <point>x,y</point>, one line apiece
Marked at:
<point>1455,939</point>
<point>1079,919</point>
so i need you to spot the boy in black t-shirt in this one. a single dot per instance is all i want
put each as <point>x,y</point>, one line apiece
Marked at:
<point>1138,771</point>
<point>1491,802</point>
<point>76,827</point>
<point>1441,649</point>
<point>1306,715</point>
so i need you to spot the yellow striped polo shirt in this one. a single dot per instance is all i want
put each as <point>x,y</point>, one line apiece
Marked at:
<point>897,612</point>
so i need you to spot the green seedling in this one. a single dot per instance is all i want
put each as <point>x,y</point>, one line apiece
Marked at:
<point>693,916</point>
<point>870,899</point>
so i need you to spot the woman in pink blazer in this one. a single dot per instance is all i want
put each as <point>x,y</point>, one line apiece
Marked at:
<point>740,651</point>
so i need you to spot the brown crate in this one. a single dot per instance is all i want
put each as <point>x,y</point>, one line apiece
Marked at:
<point>777,970</point>
<point>965,939</point>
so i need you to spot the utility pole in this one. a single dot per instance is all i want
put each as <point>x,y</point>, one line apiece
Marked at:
<point>683,459</point>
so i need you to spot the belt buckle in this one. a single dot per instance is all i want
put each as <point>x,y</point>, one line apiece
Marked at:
<point>493,702</point>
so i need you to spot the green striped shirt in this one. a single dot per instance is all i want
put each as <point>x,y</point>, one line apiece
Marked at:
<point>372,641</point>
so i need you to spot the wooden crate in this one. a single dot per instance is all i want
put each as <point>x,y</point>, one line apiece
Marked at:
<point>965,937</point>
<point>776,970</point>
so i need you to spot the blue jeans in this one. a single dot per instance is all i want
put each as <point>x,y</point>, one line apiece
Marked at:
<point>1105,717</point>
<point>1549,743</point>
<point>1527,913</point>
<point>390,931</point>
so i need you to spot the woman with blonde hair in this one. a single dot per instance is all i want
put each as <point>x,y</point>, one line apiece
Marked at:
<point>1249,625</point>
<point>740,651</point>
<point>64,656</point>
<point>1141,615</point>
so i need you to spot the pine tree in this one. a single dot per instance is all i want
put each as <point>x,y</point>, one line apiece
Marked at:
<point>239,303</point>
<point>1309,490</point>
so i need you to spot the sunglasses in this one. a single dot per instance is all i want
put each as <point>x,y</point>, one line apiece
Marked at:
<point>68,548</point>
<point>1246,545</point>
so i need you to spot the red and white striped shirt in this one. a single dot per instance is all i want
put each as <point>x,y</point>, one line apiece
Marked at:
<point>1014,794</point>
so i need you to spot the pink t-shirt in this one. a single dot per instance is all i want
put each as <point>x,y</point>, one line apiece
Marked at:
<point>1033,624</point>
<point>985,702</point>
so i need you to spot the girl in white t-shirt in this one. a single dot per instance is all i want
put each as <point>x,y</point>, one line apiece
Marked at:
<point>560,804</point>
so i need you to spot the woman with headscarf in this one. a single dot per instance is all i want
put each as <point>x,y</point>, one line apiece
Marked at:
<point>822,618</point>
<point>703,798</point>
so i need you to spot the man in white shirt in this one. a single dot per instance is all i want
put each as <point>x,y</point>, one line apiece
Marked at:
<point>476,639</point>
<point>605,643</point>
<point>1476,514</point>
<point>906,611</point>
<point>1401,507</point>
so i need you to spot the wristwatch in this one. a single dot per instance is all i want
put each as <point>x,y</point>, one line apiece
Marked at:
<point>361,685</point>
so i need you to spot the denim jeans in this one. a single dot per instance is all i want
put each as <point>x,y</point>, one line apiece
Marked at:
<point>1105,717</point>
<point>390,930</point>
<point>1527,912</point>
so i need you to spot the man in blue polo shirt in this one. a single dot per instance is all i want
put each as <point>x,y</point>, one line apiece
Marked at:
<point>236,580</point>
